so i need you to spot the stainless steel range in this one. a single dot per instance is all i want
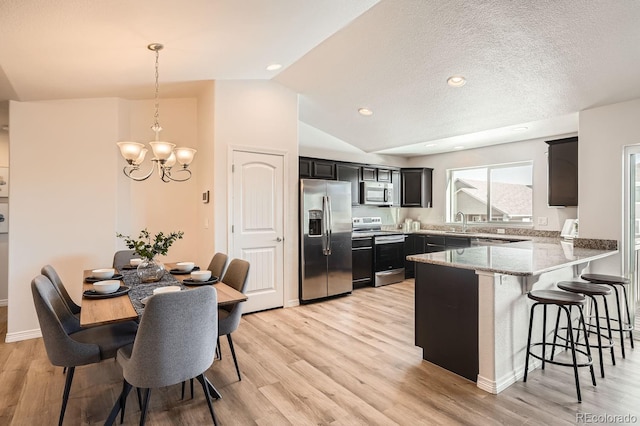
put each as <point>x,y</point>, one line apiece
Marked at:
<point>388,249</point>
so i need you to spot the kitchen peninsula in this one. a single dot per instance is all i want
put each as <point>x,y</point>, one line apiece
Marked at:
<point>471,312</point>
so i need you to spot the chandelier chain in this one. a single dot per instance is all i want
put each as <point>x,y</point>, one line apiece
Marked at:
<point>156,125</point>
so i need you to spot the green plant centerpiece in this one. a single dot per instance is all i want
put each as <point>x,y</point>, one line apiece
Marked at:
<point>148,247</point>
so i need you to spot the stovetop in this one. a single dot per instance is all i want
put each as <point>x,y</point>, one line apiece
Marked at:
<point>370,227</point>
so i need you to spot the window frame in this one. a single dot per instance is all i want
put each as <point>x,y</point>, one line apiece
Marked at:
<point>449,195</point>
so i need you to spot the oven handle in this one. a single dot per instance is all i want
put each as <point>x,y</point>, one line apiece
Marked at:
<point>389,239</point>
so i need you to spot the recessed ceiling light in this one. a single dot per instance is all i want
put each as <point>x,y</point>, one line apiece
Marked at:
<point>430,145</point>
<point>365,111</point>
<point>274,67</point>
<point>458,147</point>
<point>456,81</point>
<point>520,129</point>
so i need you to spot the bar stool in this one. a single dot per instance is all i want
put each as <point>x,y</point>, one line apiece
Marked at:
<point>562,300</point>
<point>614,282</point>
<point>591,291</point>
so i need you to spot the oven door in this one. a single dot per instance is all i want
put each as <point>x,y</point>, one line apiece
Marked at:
<point>389,259</point>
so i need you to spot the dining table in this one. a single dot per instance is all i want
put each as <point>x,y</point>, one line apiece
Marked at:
<point>129,306</point>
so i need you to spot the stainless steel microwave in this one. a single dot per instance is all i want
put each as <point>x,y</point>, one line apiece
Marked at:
<point>376,193</point>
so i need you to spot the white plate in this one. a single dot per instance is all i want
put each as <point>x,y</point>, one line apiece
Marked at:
<point>167,289</point>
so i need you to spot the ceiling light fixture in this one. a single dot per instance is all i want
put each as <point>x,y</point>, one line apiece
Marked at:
<point>458,147</point>
<point>520,129</point>
<point>430,145</point>
<point>456,81</point>
<point>365,111</point>
<point>274,67</point>
<point>165,153</point>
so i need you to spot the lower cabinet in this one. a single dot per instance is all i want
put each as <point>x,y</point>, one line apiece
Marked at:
<point>362,260</point>
<point>414,244</point>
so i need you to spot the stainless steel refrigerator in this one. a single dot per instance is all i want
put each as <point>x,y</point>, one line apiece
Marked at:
<point>325,238</point>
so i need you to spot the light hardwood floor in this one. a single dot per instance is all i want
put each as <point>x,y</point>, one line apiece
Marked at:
<point>345,361</point>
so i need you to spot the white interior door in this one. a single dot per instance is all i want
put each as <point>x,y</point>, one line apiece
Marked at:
<point>257,233</point>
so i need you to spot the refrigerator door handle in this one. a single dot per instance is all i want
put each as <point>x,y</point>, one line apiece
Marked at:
<point>325,229</point>
<point>329,226</point>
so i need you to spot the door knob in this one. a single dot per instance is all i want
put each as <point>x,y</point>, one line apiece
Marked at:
<point>278,239</point>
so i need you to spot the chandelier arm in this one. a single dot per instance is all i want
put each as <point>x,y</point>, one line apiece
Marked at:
<point>129,170</point>
<point>168,175</point>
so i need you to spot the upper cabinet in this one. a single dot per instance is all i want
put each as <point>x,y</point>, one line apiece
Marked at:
<point>350,173</point>
<point>416,187</point>
<point>318,169</point>
<point>563,172</point>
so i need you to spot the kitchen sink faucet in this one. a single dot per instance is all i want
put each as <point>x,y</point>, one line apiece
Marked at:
<point>464,221</point>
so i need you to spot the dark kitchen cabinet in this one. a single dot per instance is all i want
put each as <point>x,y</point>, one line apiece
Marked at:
<point>369,174</point>
<point>362,260</point>
<point>435,243</point>
<point>395,180</point>
<point>350,173</point>
<point>416,187</point>
<point>413,244</point>
<point>318,169</point>
<point>563,172</point>
<point>452,242</point>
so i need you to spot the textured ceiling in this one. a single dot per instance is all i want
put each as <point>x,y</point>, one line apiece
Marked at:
<point>533,63</point>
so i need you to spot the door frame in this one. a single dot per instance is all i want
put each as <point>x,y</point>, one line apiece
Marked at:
<point>627,242</point>
<point>290,295</point>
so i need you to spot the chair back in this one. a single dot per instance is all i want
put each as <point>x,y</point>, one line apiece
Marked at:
<point>122,258</point>
<point>218,262</point>
<point>49,272</point>
<point>236,277</point>
<point>52,314</point>
<point>176,338</point>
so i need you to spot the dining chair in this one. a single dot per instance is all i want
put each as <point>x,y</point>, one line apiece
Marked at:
<point>71,324</point>
<point>218,262</point>
<point>122,258</point>
<point>229,316</point>
<point>86,346</point>
<point>174,343</point>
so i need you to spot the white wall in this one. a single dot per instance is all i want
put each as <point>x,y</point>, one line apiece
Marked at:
<point>604,132</point>
<point>497,154</point>
<point>260,114</point>
<point>63,193</point>
<point>69,196</point>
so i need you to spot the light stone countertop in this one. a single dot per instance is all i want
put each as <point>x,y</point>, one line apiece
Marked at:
<point>524,258</point>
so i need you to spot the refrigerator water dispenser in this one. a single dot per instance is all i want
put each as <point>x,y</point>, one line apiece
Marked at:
<point>315,223</point>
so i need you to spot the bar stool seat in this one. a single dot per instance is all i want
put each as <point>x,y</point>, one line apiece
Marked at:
<point>616,281</point>
<point>591,291</point>
<point>564,301</point>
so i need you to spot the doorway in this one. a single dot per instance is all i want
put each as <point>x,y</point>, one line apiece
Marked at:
<point>257,203</point>
<point>631,234</point>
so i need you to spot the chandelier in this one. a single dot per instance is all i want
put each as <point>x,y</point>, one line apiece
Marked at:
<point>165,154</point>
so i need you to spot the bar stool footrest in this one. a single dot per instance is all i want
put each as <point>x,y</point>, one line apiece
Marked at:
<point>588,362</point>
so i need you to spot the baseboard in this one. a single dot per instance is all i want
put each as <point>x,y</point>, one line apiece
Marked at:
<point>23,335</point>
<point>4,302</point>
<point>292,303</point>
<point>497,386</point>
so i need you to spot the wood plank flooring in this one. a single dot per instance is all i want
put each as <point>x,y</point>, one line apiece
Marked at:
<point>345,361</point>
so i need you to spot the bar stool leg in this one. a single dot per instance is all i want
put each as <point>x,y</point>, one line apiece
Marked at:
<point>526,360</point>
<point>555,334</point>
<point>606,313</point>
<point>598,331</point>
<point>584,328</point>
<point>626,305</point>
<point>620,321</point>
<point>544,332</point>
<point>573,353</point>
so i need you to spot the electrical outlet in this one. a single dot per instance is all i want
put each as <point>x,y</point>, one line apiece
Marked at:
<point>542,221</point>
<point>500,231</point>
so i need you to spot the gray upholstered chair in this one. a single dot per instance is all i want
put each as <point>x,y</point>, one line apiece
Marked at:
<point>83,347</point>
<point>175,342</point>
<point>229,316</point>
<point>49,272</point>
<point>218,262</point>
<point>122,258</point>
<point>70,323</point>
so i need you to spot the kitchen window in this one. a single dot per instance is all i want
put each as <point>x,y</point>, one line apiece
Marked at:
<point>490,194</point>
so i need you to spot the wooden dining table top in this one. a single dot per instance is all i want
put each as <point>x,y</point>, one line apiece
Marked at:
<point>115,309</point>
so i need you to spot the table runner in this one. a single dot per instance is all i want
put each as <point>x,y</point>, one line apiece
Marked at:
<point>140,290</point>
